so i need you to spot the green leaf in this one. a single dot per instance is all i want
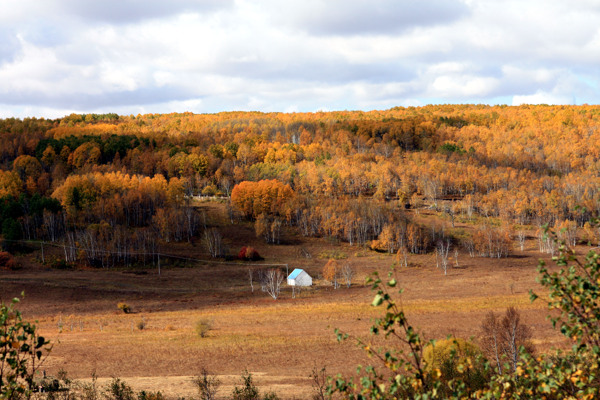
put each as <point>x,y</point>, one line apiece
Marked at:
<point>532,296</point>
<point>377,300</point>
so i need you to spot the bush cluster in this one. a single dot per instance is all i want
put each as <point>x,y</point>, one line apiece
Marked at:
<point>456,369</point>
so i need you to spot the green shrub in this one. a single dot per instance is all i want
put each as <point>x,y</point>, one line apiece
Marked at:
<point>270,396</point>
<point>55,388</point>
<point>21,352</point>
<point>89,391</point>
<point>118,390</point>
<point>449,148</point>
<point>143,395</point>
<point>248,391</point>
<point>457,371</point>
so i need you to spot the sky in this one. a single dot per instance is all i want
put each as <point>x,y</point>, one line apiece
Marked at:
<point>154,56</point>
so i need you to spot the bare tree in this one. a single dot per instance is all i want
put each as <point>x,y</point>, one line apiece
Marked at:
<point>319,383</point>
<point>450,209</point>
<point>262,228</point>
<point>276,230</point>
<point>273,280</point>
<point>347,273</point>
<point>567,232</point>
<point>251,278</point>
<point>402,256</point>
<point>432,189</point>
<point>501,339</point>
<point>232,213</point>
<point>443,247</point>
<point>53,225</point>
<point>456,258</point>
<point>213,242</point>
<point>490,341</point>
<point>69,247</point>
<point>469,244</point>
<point>225,183</point>
<point>469,206</point>
<point>192,221</point>
<point>546,243</point>
<point>521,239</point>
<point>261,276</point>
<point>514,335</point>
<point>304,253</point>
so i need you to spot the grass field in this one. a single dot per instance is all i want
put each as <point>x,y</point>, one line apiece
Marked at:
<point>279,342</point>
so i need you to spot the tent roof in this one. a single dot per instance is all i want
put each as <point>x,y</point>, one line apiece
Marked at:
<point>295,273</point>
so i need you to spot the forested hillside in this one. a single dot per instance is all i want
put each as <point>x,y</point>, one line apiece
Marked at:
<point>117,184</point>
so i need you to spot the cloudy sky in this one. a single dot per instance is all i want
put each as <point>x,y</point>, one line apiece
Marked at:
<point>141,56</point>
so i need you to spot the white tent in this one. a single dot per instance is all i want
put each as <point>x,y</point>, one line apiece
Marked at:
<point>299,277</point>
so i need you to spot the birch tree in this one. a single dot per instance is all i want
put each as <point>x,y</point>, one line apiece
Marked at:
<point>273,279</point>
<point>442,249</point>
<point>347,273</point>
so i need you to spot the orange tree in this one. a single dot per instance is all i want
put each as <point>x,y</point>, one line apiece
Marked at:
<point>331,272</point>
<point>268,196</point>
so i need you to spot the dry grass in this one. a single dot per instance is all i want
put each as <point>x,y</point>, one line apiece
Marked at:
<point>278,341</point>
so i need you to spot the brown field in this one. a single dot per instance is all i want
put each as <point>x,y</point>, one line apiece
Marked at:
<point>279,342</point>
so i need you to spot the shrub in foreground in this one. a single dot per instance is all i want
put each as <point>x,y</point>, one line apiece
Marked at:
<point>22,351</point>
<point>456,359</point>
<point>118,390</point>
<point>207,384</point>
<point>249,391</point>
<point>404,371</point>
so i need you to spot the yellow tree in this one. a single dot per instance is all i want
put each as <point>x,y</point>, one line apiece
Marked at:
<point>10,183</point>
<point>85,155</point>
<point>27,167</point>
<point>331,272</point>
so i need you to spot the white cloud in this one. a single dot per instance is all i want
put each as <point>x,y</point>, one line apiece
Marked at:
<point>541,98</point>
<point>356,17</point>
<point>462,86</point>
<point>60,56</point>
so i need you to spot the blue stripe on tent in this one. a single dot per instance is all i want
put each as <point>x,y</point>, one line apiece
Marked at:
<point>295,273</point>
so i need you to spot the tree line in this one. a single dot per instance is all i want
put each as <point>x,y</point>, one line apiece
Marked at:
<point>526,165</point>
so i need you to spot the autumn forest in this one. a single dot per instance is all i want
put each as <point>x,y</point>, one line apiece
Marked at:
<point>118,186</point>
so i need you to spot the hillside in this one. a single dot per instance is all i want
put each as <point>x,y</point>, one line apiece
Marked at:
<point>527,165</point>
<point>153,211</point>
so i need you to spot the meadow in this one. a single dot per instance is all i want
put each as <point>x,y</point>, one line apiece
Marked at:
<point>156,346</point>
